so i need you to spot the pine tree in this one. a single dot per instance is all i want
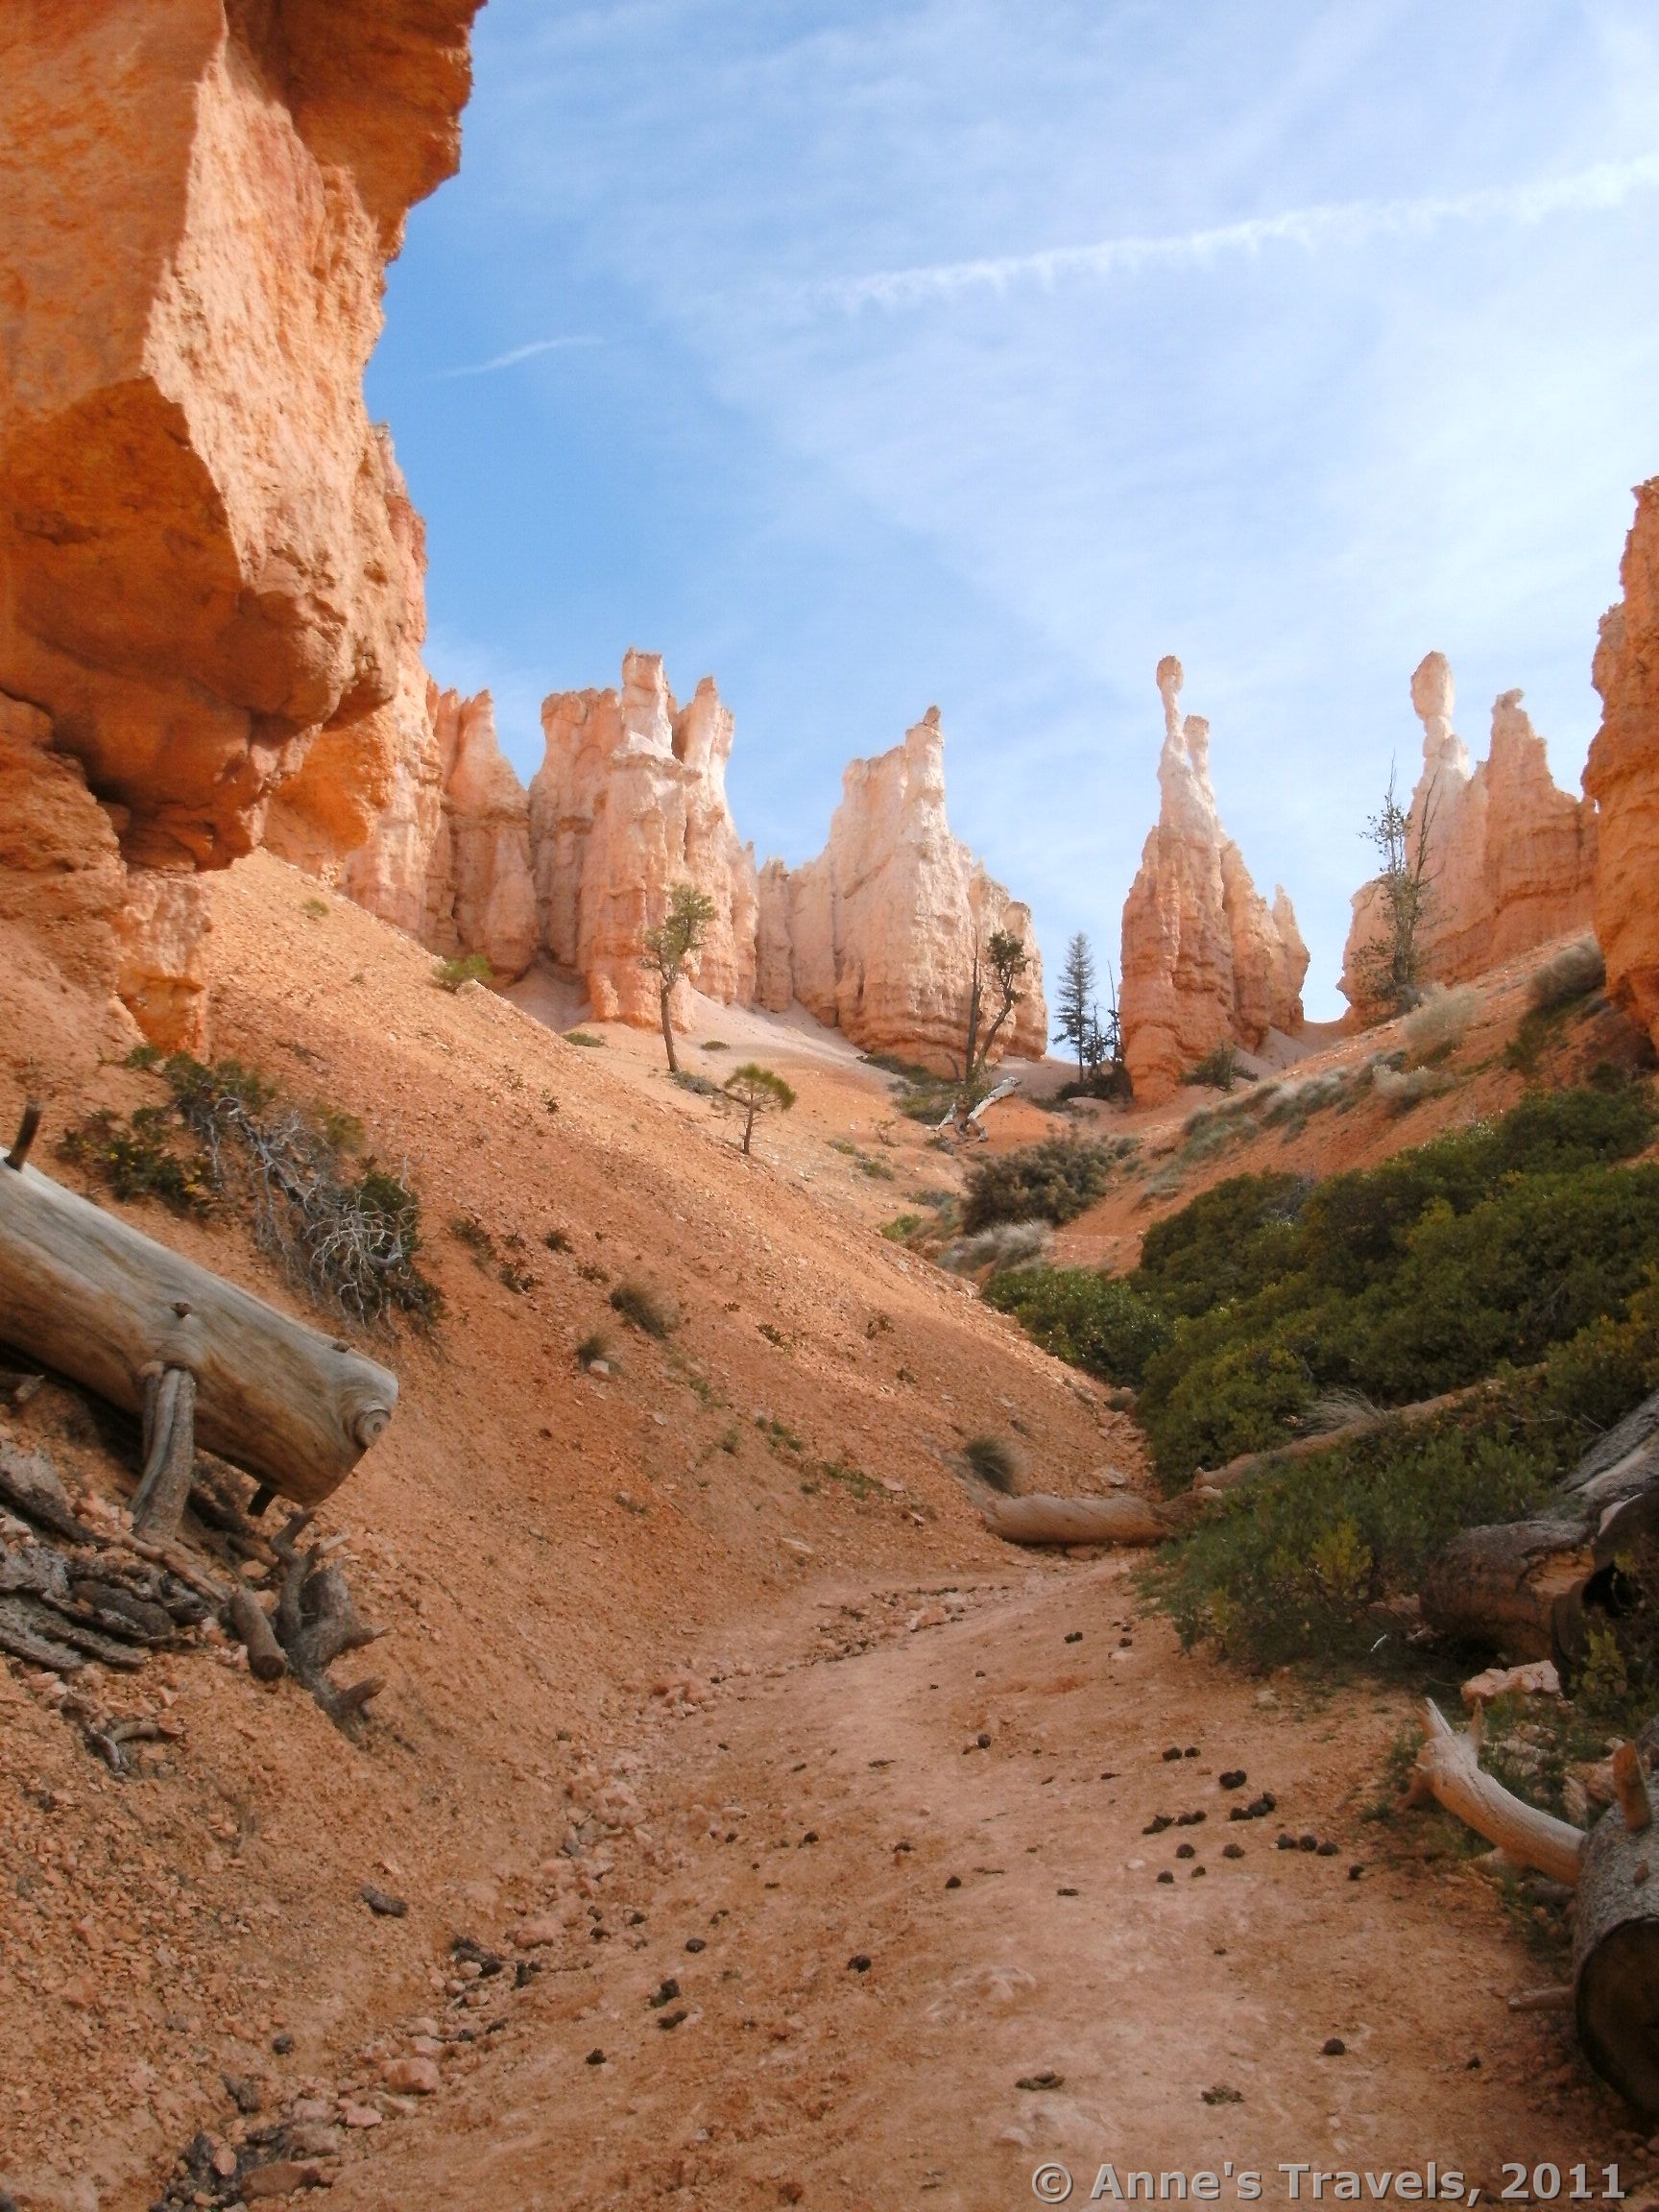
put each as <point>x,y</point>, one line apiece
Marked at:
<point>1075,1000</point>
<point>670,945</point>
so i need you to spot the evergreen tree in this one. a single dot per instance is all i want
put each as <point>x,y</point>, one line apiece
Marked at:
<point>1074,1002</point>
<point>670,945</point>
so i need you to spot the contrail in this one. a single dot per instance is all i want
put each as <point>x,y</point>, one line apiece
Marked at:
<point>1349,223</point>
<point>517,354</point>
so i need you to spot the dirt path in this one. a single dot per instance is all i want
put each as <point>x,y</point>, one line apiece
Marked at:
<point>963,1805</point>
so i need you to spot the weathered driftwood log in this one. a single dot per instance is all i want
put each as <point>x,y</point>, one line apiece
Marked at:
<point>1041,1520</point>
<point>1615,1870</point>
<point>1525,1587</point>
<point>1447,1771</point>
<point>317,1623</point>
<point>90,1297</point>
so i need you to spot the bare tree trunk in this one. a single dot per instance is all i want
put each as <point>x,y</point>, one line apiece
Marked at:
<point>748,1130</point>
<point>267,1661</point>
<point>664,997</point>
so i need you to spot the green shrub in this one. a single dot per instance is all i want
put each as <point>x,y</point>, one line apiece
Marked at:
<point>1201,1411</point>
<point>1101,1323</point>
<point>472,968</point>
<point>141,1157</point>
<point>1497,1243</point>
<point>1226,1244</point>
<point>1596,1376</point>
<point>1218,1070</point>
<point>1294,1565</point>
<point>1456,1296</point>
<point>596,1346</point>
<point>641,1306</point>
<point>585,1036</point>
<point>902,1227</point>
<point>1054,1181</point>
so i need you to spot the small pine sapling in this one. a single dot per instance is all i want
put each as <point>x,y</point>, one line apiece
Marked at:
<point>754,1090</point>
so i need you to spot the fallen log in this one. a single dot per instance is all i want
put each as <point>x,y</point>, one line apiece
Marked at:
<point>1043,1520</point>
<point>89,1295</point>
<point>1447,1772</point>
<point>1616,1945</point>
<point>1529,1588</point>
<point>1615,1872</point>
<point>1249,1464</point>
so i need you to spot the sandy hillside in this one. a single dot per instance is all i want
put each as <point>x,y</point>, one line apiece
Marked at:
<point>690,1669</point>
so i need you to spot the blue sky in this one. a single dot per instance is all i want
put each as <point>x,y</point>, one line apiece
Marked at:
<point>873,353</point>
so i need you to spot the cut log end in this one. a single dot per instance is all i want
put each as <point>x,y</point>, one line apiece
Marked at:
<point>1617,2007</point>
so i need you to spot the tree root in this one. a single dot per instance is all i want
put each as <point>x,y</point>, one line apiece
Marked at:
<point>316,1624</point>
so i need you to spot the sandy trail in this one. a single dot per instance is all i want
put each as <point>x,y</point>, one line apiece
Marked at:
<point>825,1805</point>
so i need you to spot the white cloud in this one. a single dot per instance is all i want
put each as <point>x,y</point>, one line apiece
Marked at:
<point>511,359</point>
<point>1606,185</point>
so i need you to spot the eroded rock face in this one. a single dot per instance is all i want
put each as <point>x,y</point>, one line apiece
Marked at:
<point>494,898</point>
<point>875,936</point>
<point>1510,858</point>
<point>1622,774</point>
<point>198,582</point>
<point>61,880</point>
<point>629,801</point>
<point>882,925</point>
<point>161,957</point>
<point>1206,961</point>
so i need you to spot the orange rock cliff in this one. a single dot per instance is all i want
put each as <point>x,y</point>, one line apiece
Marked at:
<point>199,579</point>
<point>1622,774</point>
